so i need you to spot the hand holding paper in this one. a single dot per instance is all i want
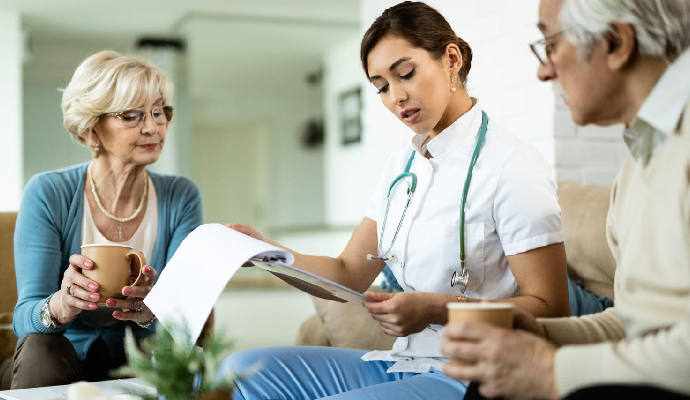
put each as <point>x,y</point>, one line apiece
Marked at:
<point>206,260</point>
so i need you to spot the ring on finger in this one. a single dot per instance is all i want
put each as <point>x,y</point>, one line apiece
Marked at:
<point>67,290</point>
<point>140,306</point>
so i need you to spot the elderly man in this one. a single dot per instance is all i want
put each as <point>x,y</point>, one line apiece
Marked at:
<point>617,61</point>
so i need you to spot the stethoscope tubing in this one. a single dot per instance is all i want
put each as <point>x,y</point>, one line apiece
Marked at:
<point>463,277</point>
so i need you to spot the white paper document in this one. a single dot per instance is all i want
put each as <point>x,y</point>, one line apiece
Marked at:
<point>206,260</point>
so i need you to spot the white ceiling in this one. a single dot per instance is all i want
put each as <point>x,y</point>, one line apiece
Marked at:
<point>233,47</point>
<point>103,20</point>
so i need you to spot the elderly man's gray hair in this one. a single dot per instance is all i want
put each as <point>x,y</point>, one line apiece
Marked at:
<point>662,27</point>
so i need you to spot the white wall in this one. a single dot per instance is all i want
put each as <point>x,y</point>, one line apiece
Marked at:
<point>11,141</point>
<point>345,166</point>
<point>49,145</point>
<point>279,103</point>
<point>588,154</point>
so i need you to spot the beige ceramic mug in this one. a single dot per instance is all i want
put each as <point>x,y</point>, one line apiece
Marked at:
<point>113,265</point>
<point>501,315</point>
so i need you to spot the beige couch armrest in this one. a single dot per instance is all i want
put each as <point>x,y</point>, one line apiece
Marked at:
<point>312,333</point>
<point>583,211</point>
<point>350,326</point>
<point>7,338</point>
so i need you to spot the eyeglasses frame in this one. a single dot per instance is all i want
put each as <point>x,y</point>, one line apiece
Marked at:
<point>544,42</point>
<point>119,115</point>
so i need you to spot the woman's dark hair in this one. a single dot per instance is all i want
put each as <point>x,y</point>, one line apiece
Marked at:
<point>423,27</point>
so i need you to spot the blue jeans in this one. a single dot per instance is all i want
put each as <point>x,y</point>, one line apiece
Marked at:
<point>300,373</point>
<point>583,302</point>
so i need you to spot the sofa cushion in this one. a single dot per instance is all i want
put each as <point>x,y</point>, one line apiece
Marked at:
<point>350,326</point>
<point>7,338</point>
<point>8,288</point>
<point>583,211</point>
<point>312,333</point>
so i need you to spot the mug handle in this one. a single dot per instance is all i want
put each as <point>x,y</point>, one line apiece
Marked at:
<point>141,260</point>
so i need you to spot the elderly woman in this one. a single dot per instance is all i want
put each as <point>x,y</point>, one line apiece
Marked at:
<point>119,106</point>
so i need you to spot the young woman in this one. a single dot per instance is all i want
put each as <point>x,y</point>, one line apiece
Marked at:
<point>510,219</point>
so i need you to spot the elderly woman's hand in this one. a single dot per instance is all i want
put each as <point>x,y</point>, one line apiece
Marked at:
<point>399,314</point>
<point>133,307</point>
<point>77,292</point>
<point>509,363</point>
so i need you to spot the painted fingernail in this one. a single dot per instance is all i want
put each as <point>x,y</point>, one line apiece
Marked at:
<point>117,314</point>
<point>88,264</point>
<point>147,270</point>
<point>94,296</point>
<point>110,303</point>
<point>92,286</point>
<point>127,291</point>
<point>92,306</point>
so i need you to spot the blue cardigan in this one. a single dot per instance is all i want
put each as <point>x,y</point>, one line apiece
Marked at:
<point>48,232</point>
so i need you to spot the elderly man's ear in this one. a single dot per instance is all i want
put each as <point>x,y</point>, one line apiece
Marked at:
<point>621,44</point>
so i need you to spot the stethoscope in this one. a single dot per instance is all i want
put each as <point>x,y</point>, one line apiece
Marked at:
<point>460,277</point>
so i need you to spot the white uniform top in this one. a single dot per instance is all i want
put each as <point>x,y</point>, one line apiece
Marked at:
<point>511,208</point>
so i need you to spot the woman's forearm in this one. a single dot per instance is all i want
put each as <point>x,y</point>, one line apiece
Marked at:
<point>351,268</point>
<point>540,308</point>
<point>438,311</point>
<point>334,269</point>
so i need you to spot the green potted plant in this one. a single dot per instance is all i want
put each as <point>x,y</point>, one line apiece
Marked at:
<point>180,370</point>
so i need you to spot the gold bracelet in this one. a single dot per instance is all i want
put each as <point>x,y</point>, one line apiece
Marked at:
<point>461,298</point>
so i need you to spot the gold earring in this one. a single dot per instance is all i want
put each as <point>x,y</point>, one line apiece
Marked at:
<point>95,151</point>
<point>452,85</point>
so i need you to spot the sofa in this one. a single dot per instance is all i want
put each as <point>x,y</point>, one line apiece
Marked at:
<point>583,211</point>
<point>8,288</point>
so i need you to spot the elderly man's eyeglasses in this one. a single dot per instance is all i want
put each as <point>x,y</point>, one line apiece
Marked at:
<point>544,47</point>
<point>132,118</point>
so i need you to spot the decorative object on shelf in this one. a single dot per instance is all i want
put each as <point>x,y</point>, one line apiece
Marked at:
<point>350,116</point>
<point>313,133</point>
<point>177,368</point>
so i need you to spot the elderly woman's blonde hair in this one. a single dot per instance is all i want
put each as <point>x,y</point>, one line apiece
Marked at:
<point>109,82</point>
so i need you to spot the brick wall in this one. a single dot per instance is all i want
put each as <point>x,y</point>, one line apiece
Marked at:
<point>588,154</point>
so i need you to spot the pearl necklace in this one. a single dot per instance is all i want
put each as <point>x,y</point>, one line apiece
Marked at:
<point>111,216</point>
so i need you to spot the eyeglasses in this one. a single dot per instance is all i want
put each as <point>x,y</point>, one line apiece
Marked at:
<point>544,47</point>
<point>132,118</point>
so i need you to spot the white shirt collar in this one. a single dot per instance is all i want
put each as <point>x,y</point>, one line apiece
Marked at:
<point>661,112</point>
<point>664,106</point>
<point>463,129</point>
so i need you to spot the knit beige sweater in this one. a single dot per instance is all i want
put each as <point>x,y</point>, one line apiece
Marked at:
<point>645,339</point>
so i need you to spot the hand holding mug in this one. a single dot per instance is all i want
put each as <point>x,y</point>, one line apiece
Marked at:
<point>124,279</point>
<point>77,292</point>
<point>133,307</point>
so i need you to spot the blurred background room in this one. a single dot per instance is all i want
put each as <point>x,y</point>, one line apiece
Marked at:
<point>274,119</point>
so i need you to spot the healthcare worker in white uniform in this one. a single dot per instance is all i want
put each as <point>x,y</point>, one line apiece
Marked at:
<point>513,238</point>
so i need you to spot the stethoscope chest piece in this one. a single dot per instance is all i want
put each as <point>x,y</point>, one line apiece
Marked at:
<point>460,279</point>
